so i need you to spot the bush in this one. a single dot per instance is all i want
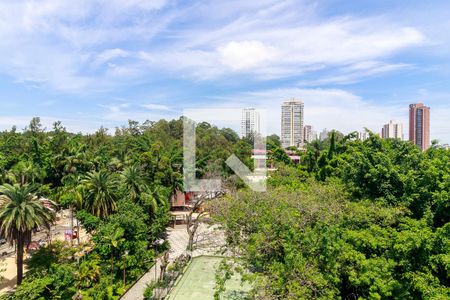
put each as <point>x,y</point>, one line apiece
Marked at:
<point>89,221</point>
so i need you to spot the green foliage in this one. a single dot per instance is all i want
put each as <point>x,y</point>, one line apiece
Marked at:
<point>357,219</point>
<point>119,187</point>
<point>389,171</point>
<point>385,237</point>
<point>90,222</point>
<point>57,253</point>
<point>100,193</point>
<point>223,273</point>
<point>148,292</point>
<point>312,242</point>
<point>21,213</point>
<point>56,282</point>
<point>279,155</point>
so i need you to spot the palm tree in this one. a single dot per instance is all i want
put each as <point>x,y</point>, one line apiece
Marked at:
<point>100,193</point>
<point>88,273</point>
<point>72,195</point>
<point>73,159</point>
<point>25,172</point>
<point>21,212</point>
<point>133,182</point>
<point>113,242</point>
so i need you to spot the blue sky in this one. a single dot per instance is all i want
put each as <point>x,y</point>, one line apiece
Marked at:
<point>355,64</point>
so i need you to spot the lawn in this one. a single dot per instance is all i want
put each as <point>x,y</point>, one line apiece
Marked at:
<point>199,279</point>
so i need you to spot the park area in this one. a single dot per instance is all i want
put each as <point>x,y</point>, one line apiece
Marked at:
<point>199,280</point>
<point>57,233</point>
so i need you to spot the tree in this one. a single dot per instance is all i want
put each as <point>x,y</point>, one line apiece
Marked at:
<point>100,192</point>
<point>132,182</point>
<point>88,273</point>
<point>72,196</point>
<point>21,213</point>
<point>111,240</point>
<point>25,172</point>
<point>197,213</point>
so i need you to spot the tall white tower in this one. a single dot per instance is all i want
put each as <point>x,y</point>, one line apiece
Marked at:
<point>292,115</point>
<point>249,122</point>
<point>392,130</point>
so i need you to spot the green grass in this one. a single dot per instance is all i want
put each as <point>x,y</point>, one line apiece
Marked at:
<point>198,282</point>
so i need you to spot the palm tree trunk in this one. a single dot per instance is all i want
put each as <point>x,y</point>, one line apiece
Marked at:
<point>20,245</point>
<point>78,231</point>
<point>71,225</point>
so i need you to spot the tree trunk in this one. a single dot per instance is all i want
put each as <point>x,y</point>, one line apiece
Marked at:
<point>71,225</point>
<point>20,245</point>
<point>78,231</point>
<point>191,241</point>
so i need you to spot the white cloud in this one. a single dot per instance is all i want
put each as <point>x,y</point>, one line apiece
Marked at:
<point>246,54</point>
<point>355,73</point>
<point>108,55</point>
<point>73,45</point>
<point>267,50</point>
<point>119,113</point>
<point>141,4</point>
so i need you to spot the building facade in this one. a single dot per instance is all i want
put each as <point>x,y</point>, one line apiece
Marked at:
<point>249,122</point>
<point>392,130</point>
<point>309,135</point>
<point>419,125</point>
<point>292,115</point>
<point>363,135</point>
<point>323,135</point>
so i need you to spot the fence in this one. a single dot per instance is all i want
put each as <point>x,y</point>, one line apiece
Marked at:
<point>168,278</point>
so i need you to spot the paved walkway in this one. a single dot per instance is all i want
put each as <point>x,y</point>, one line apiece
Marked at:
<point>208,241</point>
<point>137,291</point>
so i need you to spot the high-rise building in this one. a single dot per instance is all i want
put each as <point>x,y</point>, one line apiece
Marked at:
<point>249,122</point>
<point>323,135</point>
<point>309,134</point>
<point>419,125</point>
<point>363,135</point>
<point>292,114</point>
<point>392,130</point>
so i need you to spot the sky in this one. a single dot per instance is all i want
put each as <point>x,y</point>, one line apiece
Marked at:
<point>355,64</point>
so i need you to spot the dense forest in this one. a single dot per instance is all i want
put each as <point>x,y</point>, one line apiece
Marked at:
<point>355,220</point>
<point>118,185</point>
